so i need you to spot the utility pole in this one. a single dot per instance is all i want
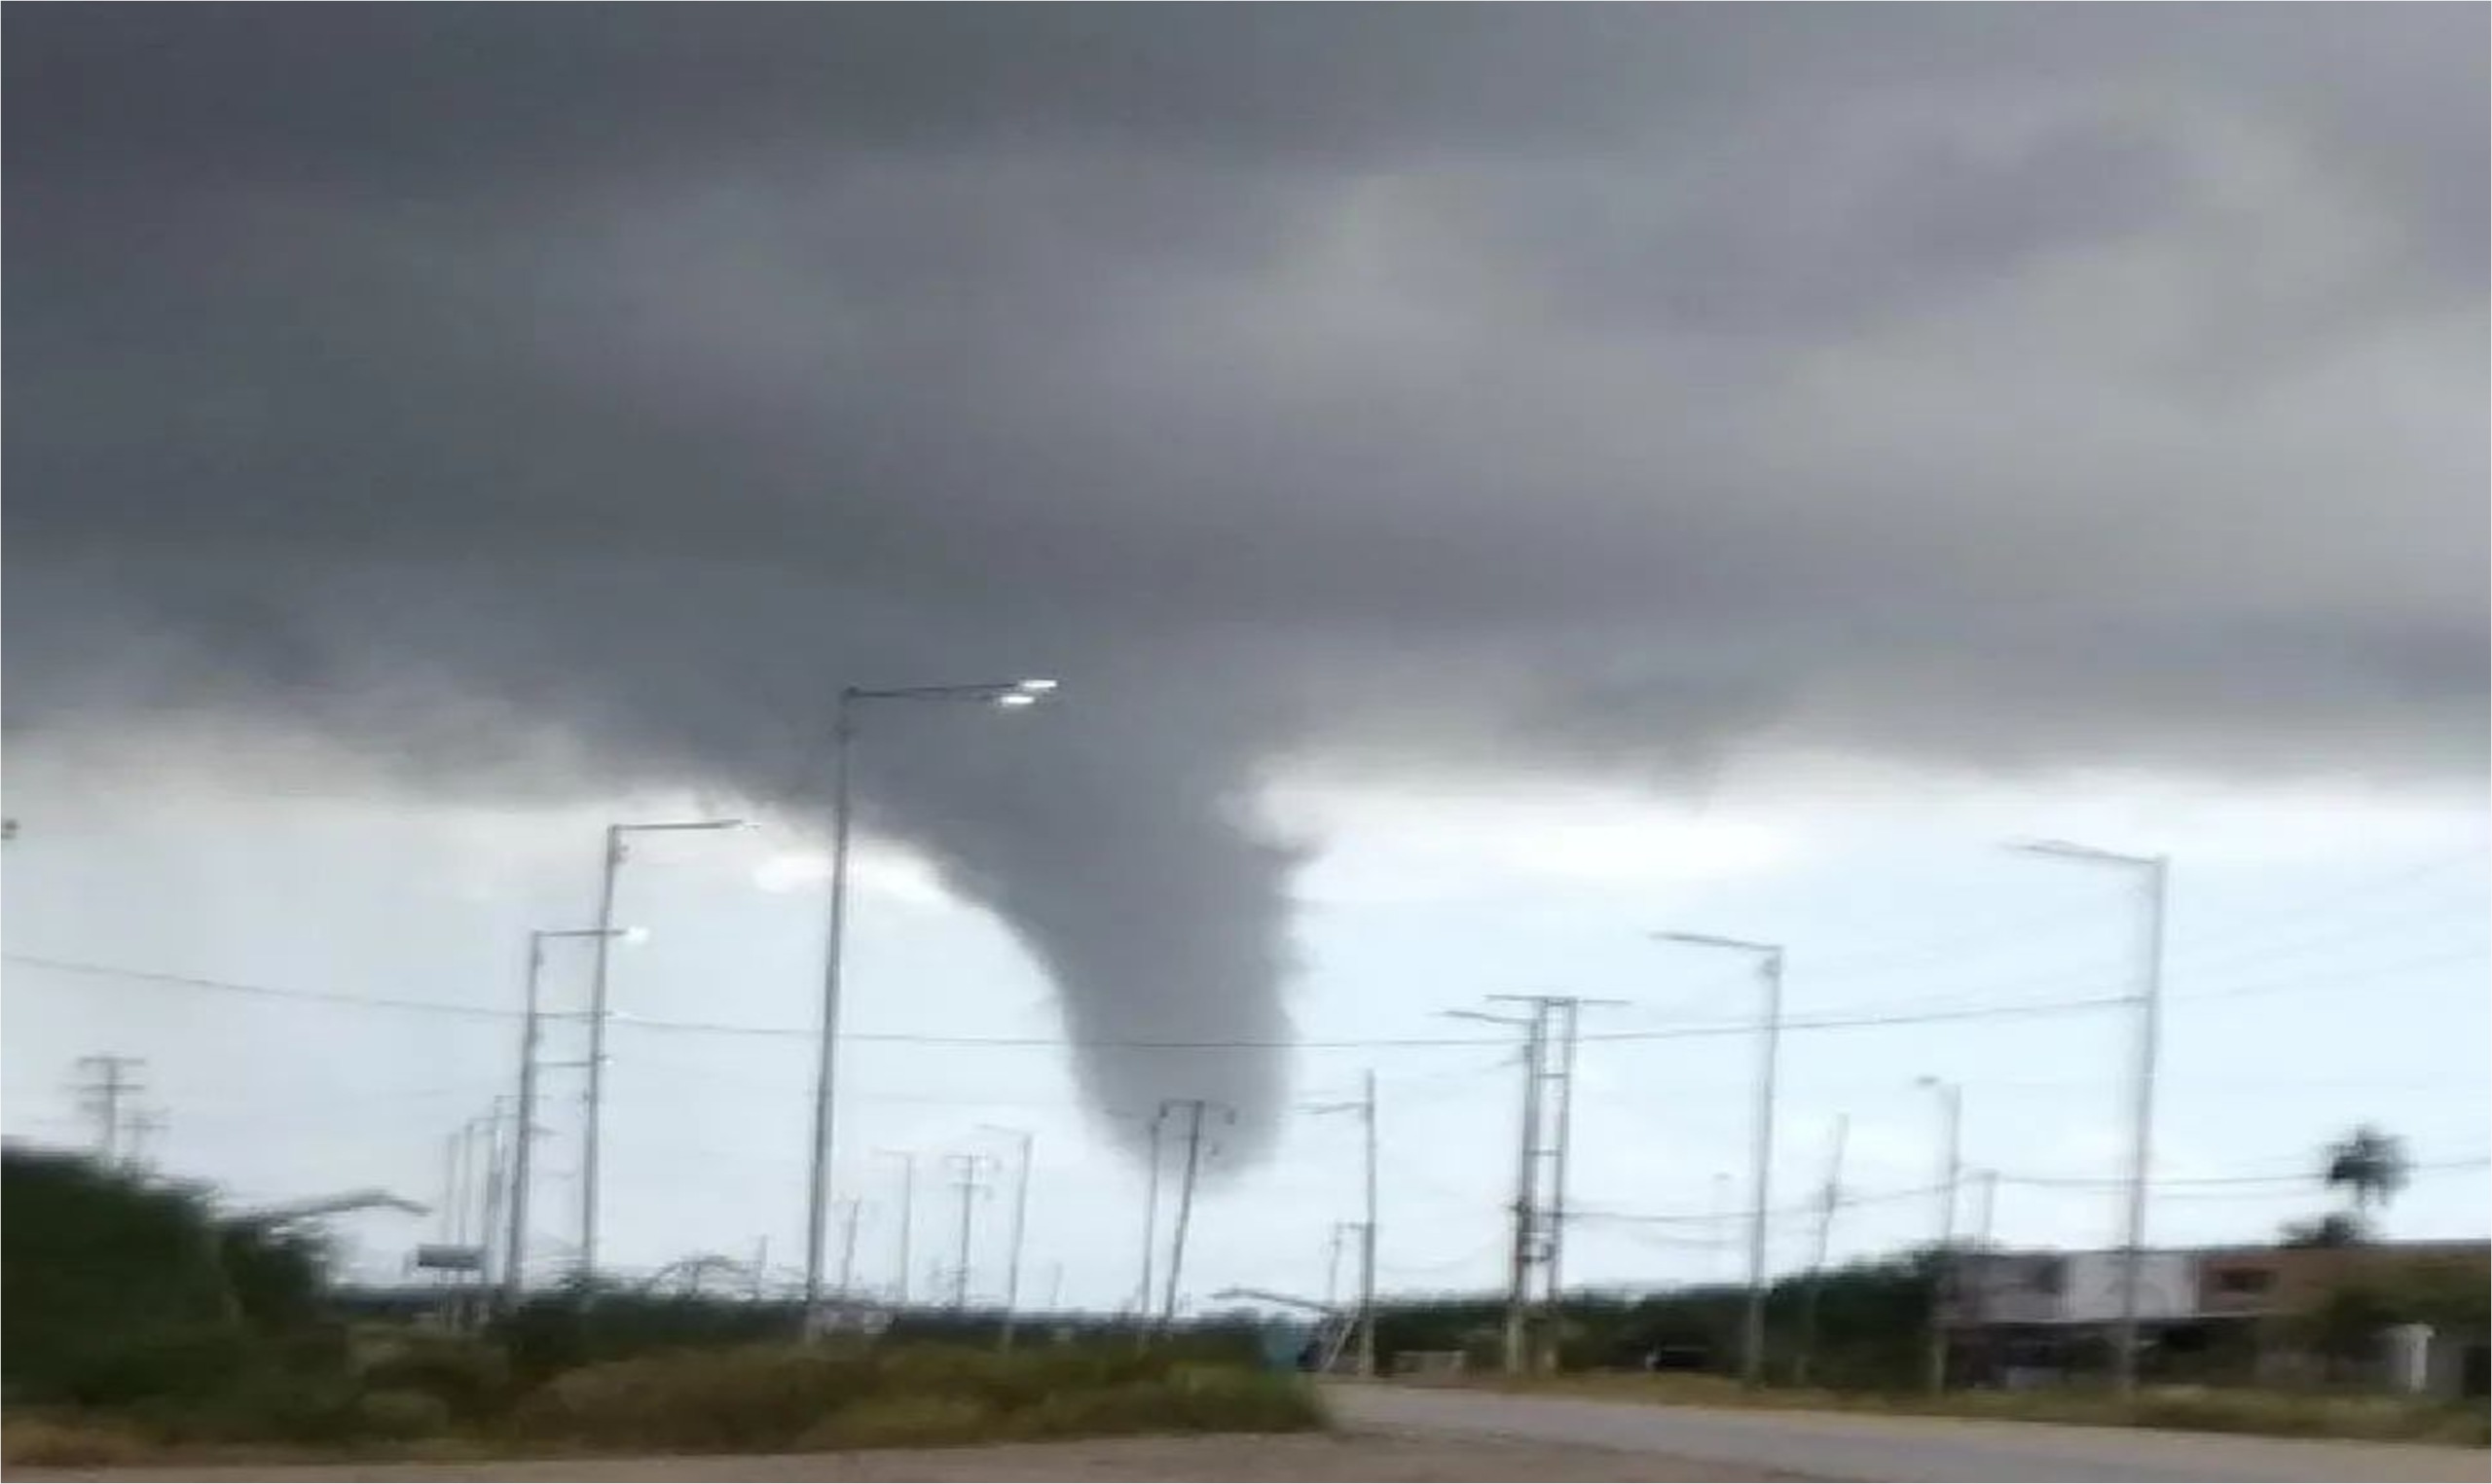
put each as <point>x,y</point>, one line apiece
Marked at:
<point>970,1187</point>
<point>1717,1222</point>
<point>1367,1237</point>
<point>1769,961</point>
<point>140,1126</point>
<point>453,1151</point>
<point>1365,1108</point>
<point>1021,1233</point>
<point>523,1183</point>
<point>592,1136</point>
<point>521,1159</point>
<point>1193,1109</point>
<point>1951,1166</point>
<point>848,1247</point>
<point>105,1097</point>
<point>908,1205</point>
<point>1984,1279</point>
<point>497,1173</point>
<point>1526,1217</point>
<point>2155,879</point>
<point>594,1123</point>
<point>483,1198</point>
<point>1535,1279</point>
<point>1150,1222</point>
<point>1828,1203</point>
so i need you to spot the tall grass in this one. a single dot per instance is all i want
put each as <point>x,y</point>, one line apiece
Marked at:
<point>766,1398</point>
<point>432,1394</point>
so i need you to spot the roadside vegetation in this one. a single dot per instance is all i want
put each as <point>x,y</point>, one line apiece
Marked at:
<point>1855,1338</point>
<point>137,1325</point>
<point>2347,1415</point>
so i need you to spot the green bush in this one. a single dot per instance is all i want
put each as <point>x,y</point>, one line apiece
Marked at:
<point>187,1363</point>
<point>261,1405</point>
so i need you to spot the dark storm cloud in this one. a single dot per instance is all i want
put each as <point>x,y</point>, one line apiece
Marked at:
<point>1605,388</point>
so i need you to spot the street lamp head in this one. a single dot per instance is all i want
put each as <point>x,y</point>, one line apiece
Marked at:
<point>2067,850</point>
<point>1712,940</point>
<point>1016,699</point>
<point>634,935</point>
<point>1036,686</point>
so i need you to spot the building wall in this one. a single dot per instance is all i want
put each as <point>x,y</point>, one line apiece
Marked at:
<point>2282,1279</point>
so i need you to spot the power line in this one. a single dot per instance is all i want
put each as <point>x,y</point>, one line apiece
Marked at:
<point>2070,1181</point>
<point>930,1038</point>
<point>1862,1020</point>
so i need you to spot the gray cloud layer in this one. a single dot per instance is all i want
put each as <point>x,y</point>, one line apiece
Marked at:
<point>1590,389</point>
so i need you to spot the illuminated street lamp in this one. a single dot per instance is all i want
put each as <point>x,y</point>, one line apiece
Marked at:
<point>1008,694</point>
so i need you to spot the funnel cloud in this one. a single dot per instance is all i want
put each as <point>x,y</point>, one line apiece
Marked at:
<point>548,400</point>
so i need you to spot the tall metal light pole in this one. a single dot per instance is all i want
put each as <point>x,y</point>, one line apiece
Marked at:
<point>1950,1175</point>
<point>590,1149</point>
<point>2154,872</point>
<point>1020,1229</point>
<point>1770,1037</point>
<point>530,1028</point>
<point>1006,693</point>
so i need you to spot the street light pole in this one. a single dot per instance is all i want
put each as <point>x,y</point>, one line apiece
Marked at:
<point>2156,874</point>
<point>591,1144</point>
<point>1769,1038</point>
<point>1013,693</point>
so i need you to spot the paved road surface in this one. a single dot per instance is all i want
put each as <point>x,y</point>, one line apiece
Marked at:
<point>1836,1446</point>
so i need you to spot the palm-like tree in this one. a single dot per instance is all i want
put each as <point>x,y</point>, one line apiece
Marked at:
<point>2369,1165</point>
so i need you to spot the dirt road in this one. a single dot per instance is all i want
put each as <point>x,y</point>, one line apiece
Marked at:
<point>1304,1457</point>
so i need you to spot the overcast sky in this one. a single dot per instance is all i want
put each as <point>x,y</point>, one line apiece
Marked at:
<point>1494,482</point>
